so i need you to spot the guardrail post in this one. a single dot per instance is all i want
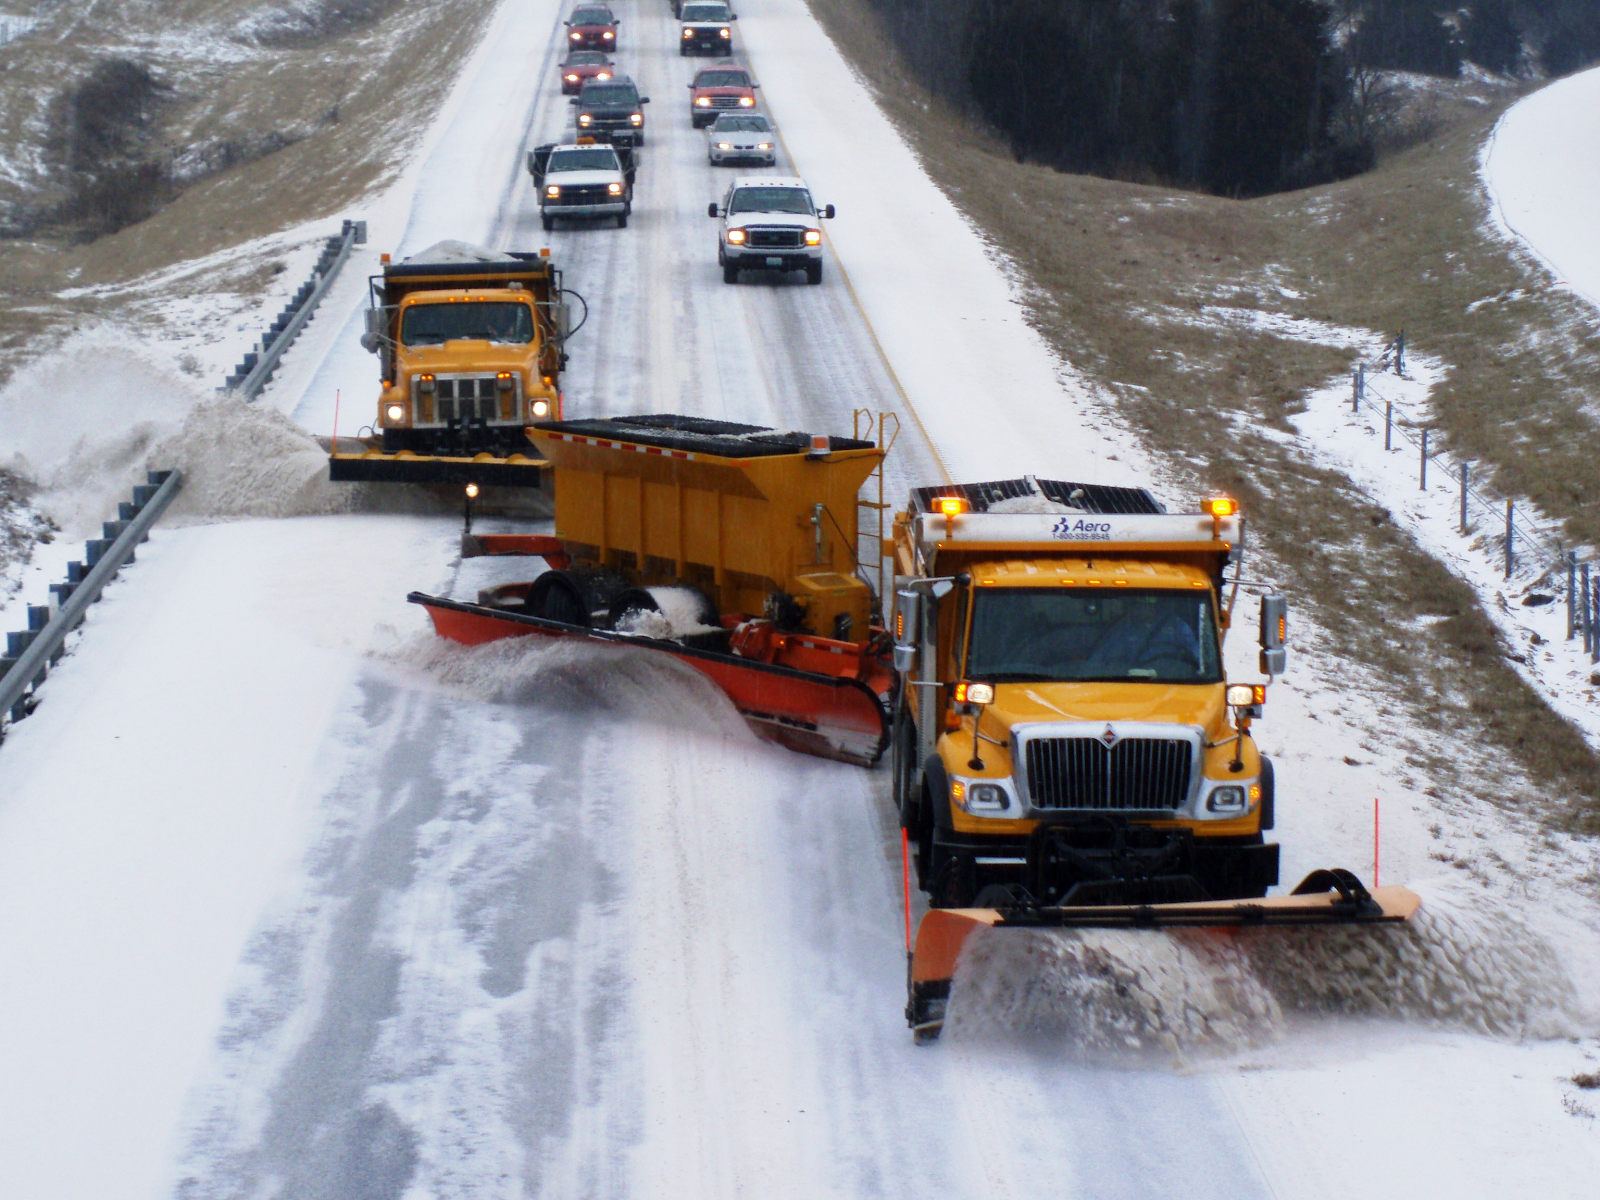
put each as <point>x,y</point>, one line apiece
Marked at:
<point>1422,484</point>
<point>1511,531</point>
<point>1572,592</point>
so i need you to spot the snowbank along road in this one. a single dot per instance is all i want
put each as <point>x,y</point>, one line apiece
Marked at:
<point>296,901</point>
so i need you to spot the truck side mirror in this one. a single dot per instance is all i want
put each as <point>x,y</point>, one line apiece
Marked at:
<point>644,99</point>
<point>827,212</point>
<point>372,339</point>
<point>573,101</point>
<point>1274,632</point>
<point>711,209</point>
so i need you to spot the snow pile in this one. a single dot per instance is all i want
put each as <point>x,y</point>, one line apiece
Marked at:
<point>576,675</point>
<point>1113,990</point>
<point>681,612</point>
<point>1031,506</point>
<point>1456,964</point>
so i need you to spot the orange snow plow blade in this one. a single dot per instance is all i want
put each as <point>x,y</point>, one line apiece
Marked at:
<point>830,716</point>
<point>1330,897</point>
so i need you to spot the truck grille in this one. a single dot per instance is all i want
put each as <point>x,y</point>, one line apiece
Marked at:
<point>466,400</point>
<point>588,193</point>
<point>774,238</point>
<point>724,102</point>
<point>1084,773</point>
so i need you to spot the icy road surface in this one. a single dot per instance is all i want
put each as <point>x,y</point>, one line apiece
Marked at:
<point>296,902</point>
<point>1542,167</point>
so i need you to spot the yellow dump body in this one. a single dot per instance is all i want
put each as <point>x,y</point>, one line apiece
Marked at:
<point>743,513</point>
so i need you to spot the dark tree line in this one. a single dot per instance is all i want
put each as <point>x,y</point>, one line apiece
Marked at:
<point>1240,97</point>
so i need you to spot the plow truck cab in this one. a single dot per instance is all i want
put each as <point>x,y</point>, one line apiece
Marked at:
<point>1065,733</point>
<point>470,351</point>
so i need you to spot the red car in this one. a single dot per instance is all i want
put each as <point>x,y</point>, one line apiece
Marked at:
<point>717,90</point>
<point>592,27</point>
<point>582,66</point>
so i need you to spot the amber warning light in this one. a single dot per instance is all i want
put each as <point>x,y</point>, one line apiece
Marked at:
<point>1222,506</point>
<point>952,506</point>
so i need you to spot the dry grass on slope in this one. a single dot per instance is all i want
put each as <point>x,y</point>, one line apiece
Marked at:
<point>265,116</point>
<point>1118,276</point>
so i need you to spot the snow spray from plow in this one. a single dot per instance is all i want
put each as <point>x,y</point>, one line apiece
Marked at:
<point>1190,991</point>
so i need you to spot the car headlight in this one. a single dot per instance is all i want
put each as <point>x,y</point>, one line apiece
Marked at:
<point>553,190</point>
<point>637,118</point>
<point>703,102</point>
<point>614,188</point>
<point>572,79</point>
<point>576,36</point>
<point>584,119</point>
<point>813,237</point>
<point>724,145</point>
<point>724,33</point>
<point>608,35</point>
<point>603,75</point>
<point>396,412</point>
<point>688,33</point>
<point>736,236</point>
<point>763,145</point>
<point>540,408</point>
<point>747,101</point>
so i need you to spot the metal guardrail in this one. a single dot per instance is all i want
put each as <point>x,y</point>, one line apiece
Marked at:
<point>103,558</point>
<point>256,370</point>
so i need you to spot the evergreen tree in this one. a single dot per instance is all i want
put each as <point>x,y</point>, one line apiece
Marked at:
<point>1491,37</point>
<point>1406,35</point>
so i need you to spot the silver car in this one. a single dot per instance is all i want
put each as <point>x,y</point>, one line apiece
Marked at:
<point>742,138</point>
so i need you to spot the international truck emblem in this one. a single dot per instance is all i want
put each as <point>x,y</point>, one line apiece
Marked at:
<point>1109,737</point>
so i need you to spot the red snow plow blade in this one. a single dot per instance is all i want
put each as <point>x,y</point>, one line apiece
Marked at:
<point>1329,897</point>
<point>821,714</point>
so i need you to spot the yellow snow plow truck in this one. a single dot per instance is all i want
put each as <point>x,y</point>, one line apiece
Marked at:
<point>470,345</point>
<point>1066,747</point>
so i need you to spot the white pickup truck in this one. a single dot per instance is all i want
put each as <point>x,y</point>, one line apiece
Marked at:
<point>769,223</point>
<point>583,181</point>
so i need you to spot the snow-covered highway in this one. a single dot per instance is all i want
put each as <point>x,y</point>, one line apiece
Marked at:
<point>296,902</point>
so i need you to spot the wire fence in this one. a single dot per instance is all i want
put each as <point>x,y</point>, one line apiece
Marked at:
<point>1525,544</point>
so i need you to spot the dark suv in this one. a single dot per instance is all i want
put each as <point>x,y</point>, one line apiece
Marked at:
<point>611,110</point>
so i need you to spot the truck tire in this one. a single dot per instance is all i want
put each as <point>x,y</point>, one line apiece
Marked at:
<point>549,223</point>
<point>814,271</point>
<point>1269,794</point>
<point>574,596</point>
<point>903,773</point>
<point>730,272</point>
<point>622,220</point>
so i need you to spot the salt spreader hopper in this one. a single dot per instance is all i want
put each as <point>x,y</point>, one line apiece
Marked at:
<point>731,547</point>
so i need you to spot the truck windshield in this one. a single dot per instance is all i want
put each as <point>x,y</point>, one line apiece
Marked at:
<point>771,200</point>
<point>436,324</point>
<point>705,12</point>
<point>582,160</point>
<point>736,79</point>
<point>1155,635</point>
<point>610,93</point>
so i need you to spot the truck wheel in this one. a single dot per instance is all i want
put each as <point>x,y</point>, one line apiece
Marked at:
<point>814,272</point>
<point>730,272</point>
<point>1269,794</point>
<point>622,220</point>
<point>902,764</point>
<point>549,223</point>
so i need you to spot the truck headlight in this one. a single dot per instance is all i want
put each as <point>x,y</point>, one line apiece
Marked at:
<point>614,188</point>
<point>396,412</point>
<point>813,237</point>
<point>576,36</point>
<point>552,190</point>
<point>978,796</point>
<point>736,236</point>
<point>763,145</point>
<point>603,75</point>
<point>688,33</point>
<point>747,101</point>
<point>727,33</point>
<point>703,102</point>
<point>724,145</point>
<point>540,408</point>
<point>1228,799</point>
<point>608,35</point>
<point>637,118</point>
<point>572,79</point>
<point>585,120</point>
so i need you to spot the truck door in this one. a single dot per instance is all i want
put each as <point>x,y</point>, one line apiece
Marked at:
<point>538,160</point>
<point>625,160</point>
